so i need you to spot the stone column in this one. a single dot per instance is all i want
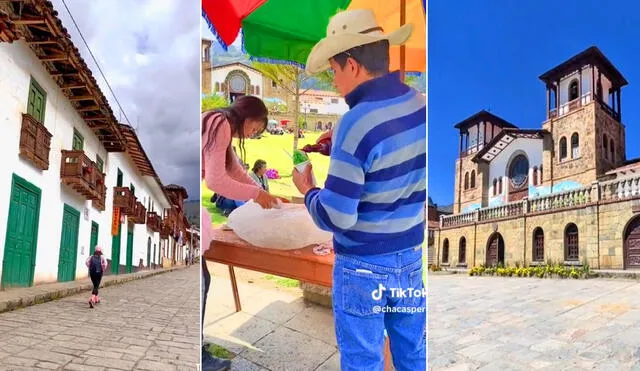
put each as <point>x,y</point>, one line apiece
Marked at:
<point>595,191</point>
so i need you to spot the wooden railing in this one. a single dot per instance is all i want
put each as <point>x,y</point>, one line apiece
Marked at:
<point>139,214</point>
<point>171,218</point>
<point>124,199</point>
<point>164,231</point>
<point>35,142</point>
<point>610,191</point>
<point>100,203</point>
<point>82,174</point>
<point>153,221</point>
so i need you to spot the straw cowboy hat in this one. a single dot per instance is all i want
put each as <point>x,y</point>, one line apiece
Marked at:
<point>349,29</point>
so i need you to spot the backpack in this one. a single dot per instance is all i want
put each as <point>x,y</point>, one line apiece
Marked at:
<point>96,264</point>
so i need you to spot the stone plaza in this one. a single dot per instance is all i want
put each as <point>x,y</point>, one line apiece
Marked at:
<point>147,324</point>
<point>491,323</point>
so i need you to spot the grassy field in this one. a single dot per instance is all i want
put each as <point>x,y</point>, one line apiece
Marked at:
<point>271,148</point>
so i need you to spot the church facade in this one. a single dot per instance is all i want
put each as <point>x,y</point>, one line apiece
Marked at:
<point>562,193</point>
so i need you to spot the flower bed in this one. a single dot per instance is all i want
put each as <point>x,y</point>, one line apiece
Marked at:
<point>541,271</point>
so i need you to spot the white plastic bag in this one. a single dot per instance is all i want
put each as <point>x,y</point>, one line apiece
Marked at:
<point>287,228</point>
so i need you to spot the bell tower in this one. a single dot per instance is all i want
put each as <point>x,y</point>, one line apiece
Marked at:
<point>584,117</point>
<point>472,179</point>
<point>205,66</point>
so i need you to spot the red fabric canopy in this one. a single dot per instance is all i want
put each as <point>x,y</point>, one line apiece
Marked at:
<point>227,16</point>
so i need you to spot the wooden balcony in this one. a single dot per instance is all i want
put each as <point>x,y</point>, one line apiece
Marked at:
<point>100,204</point>
<point>35,142</point>
<point>139,215</point>
<point>165,231</point>
<point>80,173</point>
<point>154,222</point>
<point>171,218</point>
<point>124,199</point>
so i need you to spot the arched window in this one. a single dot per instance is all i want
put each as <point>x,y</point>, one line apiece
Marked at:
<point>573,90</point>
<point>257,90</point>
<point>535,175</point>
<point>575,145</point>
<point>495,187</point>
<point>538,245</point>
<point>612,148</point>
<point>500,185</point>
<point>563,149</point>
<point>445,251</point>
<point>519,171</point>
<point>473,178</point>
<point>466,181</point>
<point>462,251</point>
<point>605,146</point>
<point>541,178</point>
<point>217,87</point>
<point>571,249</point>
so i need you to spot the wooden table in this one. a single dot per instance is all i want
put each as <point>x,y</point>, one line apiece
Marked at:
<point>301,264</point>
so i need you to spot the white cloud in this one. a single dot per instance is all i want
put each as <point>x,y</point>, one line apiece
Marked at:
<point>149,51</point>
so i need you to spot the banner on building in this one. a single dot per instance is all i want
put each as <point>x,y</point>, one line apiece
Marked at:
<point>115,222</point>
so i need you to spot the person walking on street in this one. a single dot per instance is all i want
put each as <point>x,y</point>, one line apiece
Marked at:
<point>97,264</point>
<point>374,196</point>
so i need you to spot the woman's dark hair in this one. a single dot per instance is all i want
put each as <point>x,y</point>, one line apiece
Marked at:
<point>243,108</point>
<point>258,165</point>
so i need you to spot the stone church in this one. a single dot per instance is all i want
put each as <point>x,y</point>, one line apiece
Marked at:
<point>562,193</point>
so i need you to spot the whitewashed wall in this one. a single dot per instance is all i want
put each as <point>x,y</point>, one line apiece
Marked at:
<point>566,81</point>
<point>219,75</point>
<point>143,192</point>
<point>498,167</point>
<point>17,65</point>
<point>324,105</point>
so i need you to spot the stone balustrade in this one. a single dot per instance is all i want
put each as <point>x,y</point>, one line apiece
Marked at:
<point>610,191</point>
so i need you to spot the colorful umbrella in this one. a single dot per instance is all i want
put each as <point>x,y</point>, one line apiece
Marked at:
<point>286,31</point>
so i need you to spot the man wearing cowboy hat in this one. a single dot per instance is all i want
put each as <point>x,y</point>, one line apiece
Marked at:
<point>374,196</point>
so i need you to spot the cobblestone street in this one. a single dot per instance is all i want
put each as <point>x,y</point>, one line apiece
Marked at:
<point>492,323</point>
<point>148,324</point>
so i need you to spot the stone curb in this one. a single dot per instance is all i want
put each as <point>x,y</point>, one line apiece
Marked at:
<point>7,305</point>
<point>625,275</point>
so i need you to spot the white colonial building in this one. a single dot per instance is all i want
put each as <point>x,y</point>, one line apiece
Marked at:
<point>71,177</point>
<point>237,79</point>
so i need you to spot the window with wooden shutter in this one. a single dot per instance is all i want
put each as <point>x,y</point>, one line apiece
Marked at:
<point>37,101</point>
<point>100,164</point>
<point>78,141</point>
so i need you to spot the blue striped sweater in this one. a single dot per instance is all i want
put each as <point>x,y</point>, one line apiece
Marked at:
<point>374,197</point>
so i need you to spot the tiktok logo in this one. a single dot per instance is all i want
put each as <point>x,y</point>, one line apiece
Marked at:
<point>377,294</point>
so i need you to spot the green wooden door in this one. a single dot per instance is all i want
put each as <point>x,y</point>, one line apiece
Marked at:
<point>116,241</point>
<point>129,268</point>
<point>22,234</point>
<point>154,254</point>
<point>94,237</point>
<point>149,252</point>
<point>68,244</point>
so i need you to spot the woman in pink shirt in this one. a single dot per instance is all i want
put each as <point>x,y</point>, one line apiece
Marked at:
<point>223,172</point>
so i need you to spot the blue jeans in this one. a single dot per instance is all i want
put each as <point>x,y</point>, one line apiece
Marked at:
<point>362,285</point>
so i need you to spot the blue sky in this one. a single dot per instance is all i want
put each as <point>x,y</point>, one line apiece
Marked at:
<point>489,54</point>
